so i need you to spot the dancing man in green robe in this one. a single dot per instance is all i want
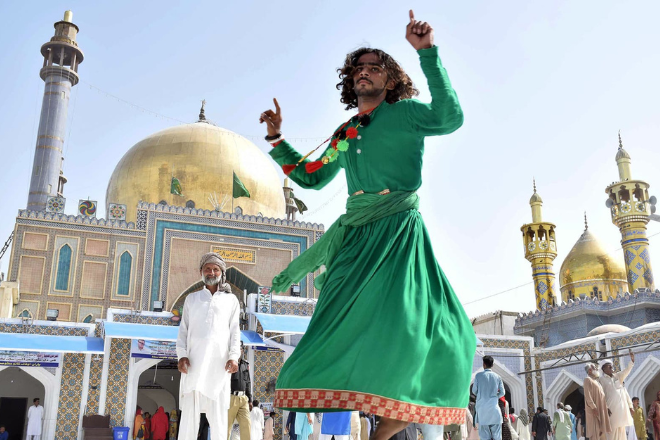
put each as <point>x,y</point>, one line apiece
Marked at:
<point>389,336</point>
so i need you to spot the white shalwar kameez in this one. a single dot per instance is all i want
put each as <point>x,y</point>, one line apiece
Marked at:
<point>209,336</point>
<point>618,401</point>
<point>256,424</point>
<point>35,416</point>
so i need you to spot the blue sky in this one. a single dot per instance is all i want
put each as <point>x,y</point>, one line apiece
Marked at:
<point>545,87</point>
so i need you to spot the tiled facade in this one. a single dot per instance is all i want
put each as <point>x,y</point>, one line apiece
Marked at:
<point>115,404</point>
<point>576,318</point>
<point>68,415</point>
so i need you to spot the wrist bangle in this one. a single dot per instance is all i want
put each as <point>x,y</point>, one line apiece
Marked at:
<point>277,140</point>
<point>273,137</point>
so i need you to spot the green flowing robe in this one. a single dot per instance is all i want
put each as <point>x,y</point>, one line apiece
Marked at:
<point>562,429</point>
<point>388,335</point>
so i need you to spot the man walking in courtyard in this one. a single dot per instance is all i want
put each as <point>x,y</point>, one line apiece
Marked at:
<point>596,413</point>
<point>35,417</point>
<point>488,387</point>
<point>561,424</point>
<point>541,425</point>
<point>378,254</point>
<point>618,400</point>
<point>208,348</point>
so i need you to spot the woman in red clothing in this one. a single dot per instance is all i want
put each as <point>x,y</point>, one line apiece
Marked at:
<point>159,425</point>
<point>147,426</point>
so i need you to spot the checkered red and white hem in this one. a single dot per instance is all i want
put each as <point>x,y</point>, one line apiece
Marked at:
<point>371,403</point>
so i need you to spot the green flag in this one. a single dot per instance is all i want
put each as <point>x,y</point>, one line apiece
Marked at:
<point>175,187</point>
<point>301,206</point>
<point>239,189</point>
<point>299,203</point>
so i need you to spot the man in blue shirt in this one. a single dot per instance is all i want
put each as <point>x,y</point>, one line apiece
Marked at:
<point>488,387</point>
<point>4,435</point>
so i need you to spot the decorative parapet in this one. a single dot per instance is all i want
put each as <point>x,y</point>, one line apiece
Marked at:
<point>525,321</point>
<point>75,219</point>
<point>228,216</point>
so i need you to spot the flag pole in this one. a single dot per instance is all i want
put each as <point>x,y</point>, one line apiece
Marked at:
<point>232,191</point>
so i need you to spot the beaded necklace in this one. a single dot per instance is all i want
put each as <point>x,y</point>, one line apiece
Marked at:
<point>339,143</point>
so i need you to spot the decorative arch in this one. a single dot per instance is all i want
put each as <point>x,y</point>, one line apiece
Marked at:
<point>135,369</point>
<point>559,387</point>
<point>88,319</point>
<point>641,377</point>
<point>26,313</point>
<point>63,268</point>
<point>51,385</point>
<point>513,381</point>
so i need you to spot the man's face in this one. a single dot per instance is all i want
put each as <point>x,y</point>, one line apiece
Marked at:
<point>36,402</point>
<point>2,429</point>
<point>141,344</point>
<point>369,76</point>
<point>636,403</point>
<point>607,369</point>
<point>211,274</point>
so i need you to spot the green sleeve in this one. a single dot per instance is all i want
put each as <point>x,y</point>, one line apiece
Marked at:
<point>285,154</point>
<point>444,114</point>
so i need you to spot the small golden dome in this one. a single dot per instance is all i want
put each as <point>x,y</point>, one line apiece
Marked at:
<point>588,260</point>
<point>535,198</point>
<point>203,158</point>
<point>622,154</point>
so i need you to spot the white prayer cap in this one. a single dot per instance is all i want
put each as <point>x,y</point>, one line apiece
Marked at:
<point>568,407</point>
<point>605,362</point>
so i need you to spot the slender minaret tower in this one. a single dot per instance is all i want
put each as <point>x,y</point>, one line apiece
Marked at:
<point>60,72</point>
<point>291,207</point>
<point>629,205</point>
<point>540,250</point>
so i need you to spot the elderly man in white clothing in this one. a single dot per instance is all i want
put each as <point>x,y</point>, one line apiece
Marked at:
<point>208,348</point>
<point>619,404</point>
<point>35,417</point>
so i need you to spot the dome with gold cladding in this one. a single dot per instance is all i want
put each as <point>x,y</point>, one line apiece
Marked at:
<point>203,157</point>
<point>590,271</point>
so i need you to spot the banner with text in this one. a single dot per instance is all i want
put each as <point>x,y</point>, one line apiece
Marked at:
<point>29,359</point>
<point>141,348</point>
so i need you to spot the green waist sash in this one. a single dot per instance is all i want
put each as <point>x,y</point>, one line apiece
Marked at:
<point>360,210</point>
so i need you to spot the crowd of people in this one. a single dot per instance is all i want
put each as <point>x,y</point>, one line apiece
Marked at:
<point>159,426</point>
<point>610,413</point>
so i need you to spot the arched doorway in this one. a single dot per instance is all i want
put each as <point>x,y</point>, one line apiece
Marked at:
<point>151,383</point>
<point>651,391</point>
<point>17,390</point>
<point>574,397</point>
<point>159,386</point>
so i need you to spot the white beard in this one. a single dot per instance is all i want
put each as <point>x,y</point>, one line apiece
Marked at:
<point>594,374</point>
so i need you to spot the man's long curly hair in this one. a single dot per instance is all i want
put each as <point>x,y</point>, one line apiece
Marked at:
<point>403,85</point>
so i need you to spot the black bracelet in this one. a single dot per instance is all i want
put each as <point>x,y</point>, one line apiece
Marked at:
<point>273,137</point>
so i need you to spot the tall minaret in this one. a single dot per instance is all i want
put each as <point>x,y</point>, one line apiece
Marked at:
<point>630,208</point>
<point>291,207</point>
<point>60,72</point>
<point>540,250</point>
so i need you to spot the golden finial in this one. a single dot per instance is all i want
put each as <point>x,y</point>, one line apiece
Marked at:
<point>534,180</point>
<point>620,142</point>
<point>586,225</point>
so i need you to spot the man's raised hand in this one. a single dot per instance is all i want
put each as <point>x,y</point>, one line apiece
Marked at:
<point>419,33</point>
<point>273,119</point>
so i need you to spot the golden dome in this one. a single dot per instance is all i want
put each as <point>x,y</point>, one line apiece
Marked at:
<point>535,198</point>
<point>589,261</point>
<point>203,157</point>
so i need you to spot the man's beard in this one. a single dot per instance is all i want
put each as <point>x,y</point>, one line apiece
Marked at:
<point>368,93</point>
<point>595,374</point>
<point>211,280</point>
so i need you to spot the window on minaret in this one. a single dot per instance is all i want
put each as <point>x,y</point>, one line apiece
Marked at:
<point>571,295</point>
<point>88,319</point>
<point>124,278</point>
<point>63,268</point>
<point>25,314</point>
